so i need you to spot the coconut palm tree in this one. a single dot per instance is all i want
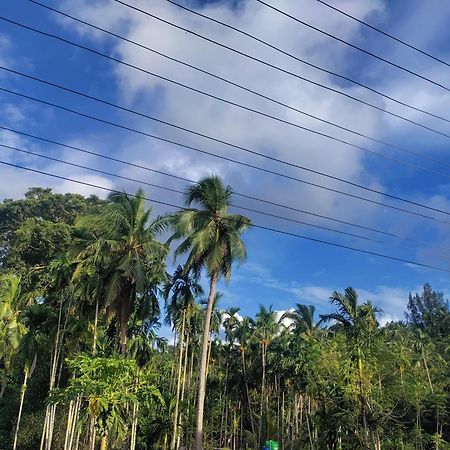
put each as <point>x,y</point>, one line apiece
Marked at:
<point>121,244</point>
<point>211,237</point>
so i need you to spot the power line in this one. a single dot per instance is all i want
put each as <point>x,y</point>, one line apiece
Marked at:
<point>384,33</point>
<point>244,88</point>
<point>236,193</point>
<point>274,230</point>
<point>268,64</point>
<point>347,194</point>
<point>290,55</point>
<point>235,104</point>
<point>343,41</point>
<point>240,162</point>
<point>177,191</point>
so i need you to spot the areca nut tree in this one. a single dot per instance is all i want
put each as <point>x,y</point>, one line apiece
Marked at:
<point>211,238</point>
<point>121,244</point>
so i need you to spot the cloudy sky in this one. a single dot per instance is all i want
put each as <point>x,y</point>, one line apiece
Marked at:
<point>281,270</point>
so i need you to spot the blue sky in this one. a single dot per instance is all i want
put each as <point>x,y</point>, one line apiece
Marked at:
<point>281,270</point>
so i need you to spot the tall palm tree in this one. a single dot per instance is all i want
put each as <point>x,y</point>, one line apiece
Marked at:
<point>243,334</point>
<point>180,293</point>
<point>266,327</point>
<point>121,243</point>
<point>212,239</point>
<point>359,324</point>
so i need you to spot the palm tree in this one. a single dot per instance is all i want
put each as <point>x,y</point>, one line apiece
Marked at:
<point>180,293</point>
<point>212,239</point>
<point>243,334</point>
<point>11,329</point>
<point>230,323</point>
<point>302,318</point>
<point>35,318</point>
<point>266,327</point>
<point>121,244</point>
<point>359,324</point>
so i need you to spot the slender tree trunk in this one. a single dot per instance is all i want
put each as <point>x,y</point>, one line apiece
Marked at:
<point>428,371</point>
<point>177,398</point>
<point>244,370</point>
<point>134,426</point>
<point>22,396</point>
<point>94,341</point>
<point>4,383</point>
<point>124,307</point>
<point>183,383</point>
<point>263,383</point>
<point>104,442</point>
<point>203,362</point>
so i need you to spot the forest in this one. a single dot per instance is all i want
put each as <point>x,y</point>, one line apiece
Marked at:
<point>86,284</point>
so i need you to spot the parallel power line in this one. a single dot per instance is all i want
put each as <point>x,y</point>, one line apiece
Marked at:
<point>343,41</point>
<point>236,193</point>
<point>244,149</point>
<point>384,33</point>
<point>274,230</point>
<point>236,105</point>
<point>239,207</point>
<point>278,49</point>
<point>247,89</point>
<point>273,66</point>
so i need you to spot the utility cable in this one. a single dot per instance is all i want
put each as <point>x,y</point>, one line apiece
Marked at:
<point>81,114</point>
<point>343,41</point>
<point>247,89</point>
<point>234,104</point>
<point>236,193</point>
<point>278,49</point>
<point>274,230</point>
<point>384,33</point>
<point>268,64</point>
<point>239,207</point>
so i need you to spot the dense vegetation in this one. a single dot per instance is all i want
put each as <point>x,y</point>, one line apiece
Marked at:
<point>84,288</point>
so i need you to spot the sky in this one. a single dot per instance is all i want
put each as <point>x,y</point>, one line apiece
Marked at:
<point>281,270</point>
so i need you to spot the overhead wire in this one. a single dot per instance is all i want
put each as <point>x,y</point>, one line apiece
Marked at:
<point>278,49</point>
<point>356,47</point>
<point>247,89</point>
<point>237,206</point>
<point>237,105</point>
<point>384,33</point>
<point>262,227</point>
<point>236,193</point>
<point>273,66</point>
<point>347,194</point>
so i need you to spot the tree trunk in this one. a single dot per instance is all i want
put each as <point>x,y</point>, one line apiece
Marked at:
<point>124,310</point>
<point>177,398</point>
<point>104,442</point>
<point>263,382</point>
<point>22,396</point>
<point>94,341</point>
<point>4,382</point>
<point>244,370</point>
<point>203,362</point>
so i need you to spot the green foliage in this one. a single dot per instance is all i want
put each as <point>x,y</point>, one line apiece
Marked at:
<point>78,275</point>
